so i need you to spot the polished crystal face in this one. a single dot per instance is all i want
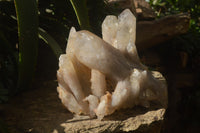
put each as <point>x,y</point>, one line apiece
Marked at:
<point>98,76</point>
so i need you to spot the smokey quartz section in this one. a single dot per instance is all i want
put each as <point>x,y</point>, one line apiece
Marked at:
<point>98,76</point>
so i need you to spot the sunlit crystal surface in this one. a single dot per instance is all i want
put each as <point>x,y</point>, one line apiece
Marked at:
<point>98,76</point>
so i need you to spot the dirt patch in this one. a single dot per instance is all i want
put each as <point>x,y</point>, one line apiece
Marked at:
<point>35,111</point>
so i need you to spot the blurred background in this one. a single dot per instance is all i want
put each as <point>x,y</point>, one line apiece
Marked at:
<point>34,33</point>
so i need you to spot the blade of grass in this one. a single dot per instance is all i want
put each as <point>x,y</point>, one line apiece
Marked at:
<point>51,42</point>
<point>27,18</point>
<point>81,11</point>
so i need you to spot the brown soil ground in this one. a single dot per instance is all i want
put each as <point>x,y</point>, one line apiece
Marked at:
<point>35,111</point>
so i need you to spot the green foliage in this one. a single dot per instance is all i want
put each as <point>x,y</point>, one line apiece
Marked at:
<point>24,52</point>
<point>8,51</point>
<point>48,19</point>
<point>81,13</point>
<point>27,16</point>
<point>190,41</point>
<point>51,42</point>
<point>166,7</point>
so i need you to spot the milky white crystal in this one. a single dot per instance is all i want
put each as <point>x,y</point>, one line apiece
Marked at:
<point>99,76</point>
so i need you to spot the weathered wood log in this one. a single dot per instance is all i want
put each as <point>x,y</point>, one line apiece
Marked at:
<point>120,5</point>
<point>144,10</point>
<point>151,33</point>
<point>140,8</point>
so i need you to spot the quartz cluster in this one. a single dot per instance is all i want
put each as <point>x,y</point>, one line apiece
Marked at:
<point>98,76</point>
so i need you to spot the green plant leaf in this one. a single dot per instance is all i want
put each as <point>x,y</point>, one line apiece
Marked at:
<point>51,42</point>
<point>27,18</point>
<point>81,13</point>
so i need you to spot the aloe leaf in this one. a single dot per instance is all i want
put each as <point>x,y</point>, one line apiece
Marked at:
<point>51,42</point>
<point>27,18</point>
<point>81,11</point>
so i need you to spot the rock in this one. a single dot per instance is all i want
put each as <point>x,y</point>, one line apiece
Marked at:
<point>151,33</point>
<point>131,120</point>
<point>45,114</point>
<point>97,76</point>
<point>144,10</point>
<point>120,5</point>
<point>140,8</point>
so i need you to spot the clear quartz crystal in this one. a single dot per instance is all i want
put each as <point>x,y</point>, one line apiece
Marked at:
<point>98,76</point>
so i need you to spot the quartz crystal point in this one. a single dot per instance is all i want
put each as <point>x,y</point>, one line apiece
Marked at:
<point>99,76</point>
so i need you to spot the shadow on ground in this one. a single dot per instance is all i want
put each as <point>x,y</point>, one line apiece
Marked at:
<point>35,111</point>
